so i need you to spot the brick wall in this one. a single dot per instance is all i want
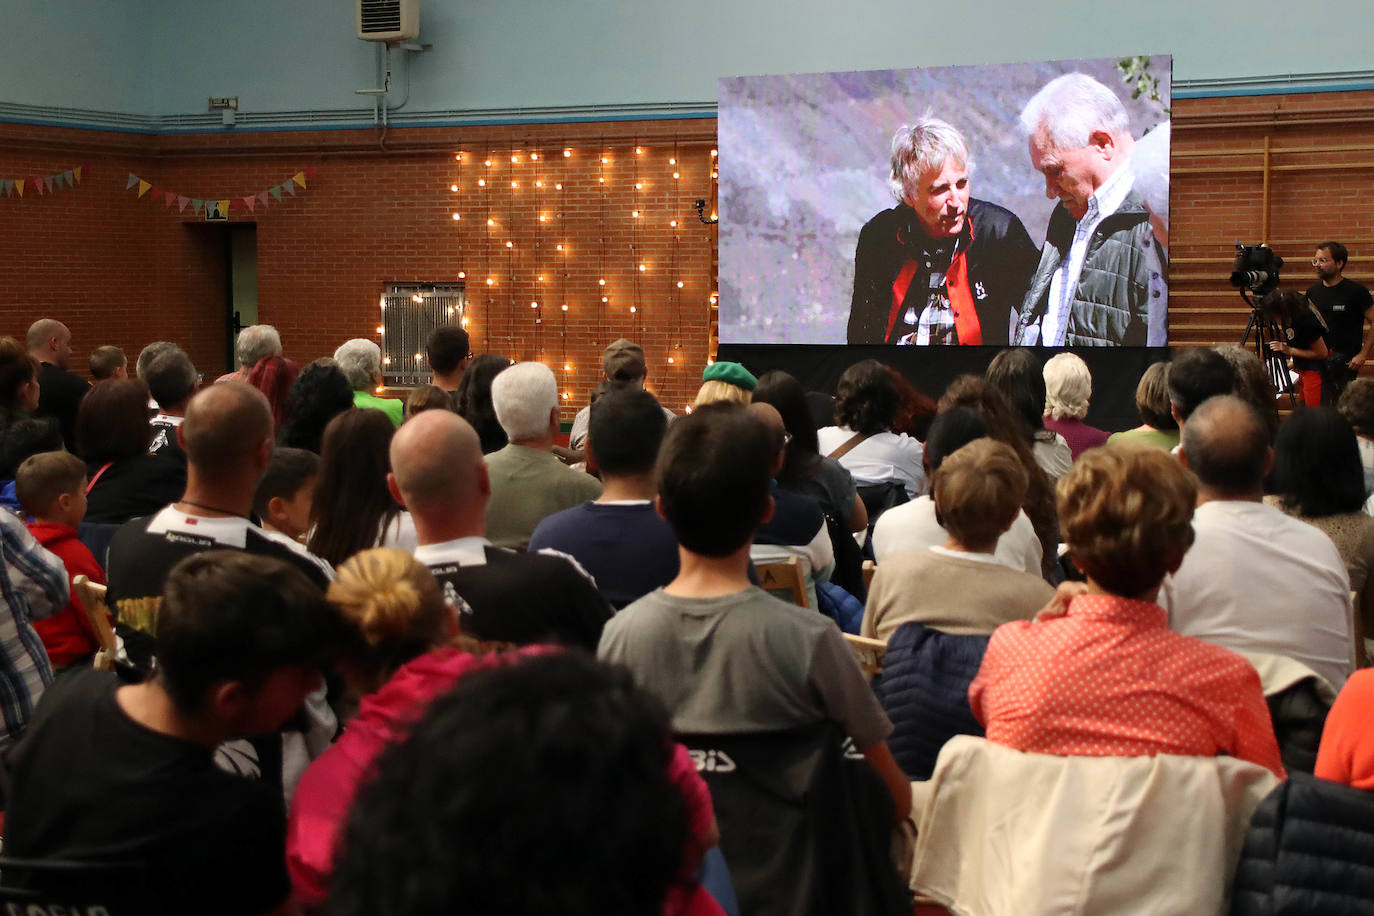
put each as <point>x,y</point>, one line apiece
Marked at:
<point>127,271</point>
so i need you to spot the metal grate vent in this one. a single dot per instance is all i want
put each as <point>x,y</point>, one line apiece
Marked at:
<point>379,16</point>
<point>410,313</point>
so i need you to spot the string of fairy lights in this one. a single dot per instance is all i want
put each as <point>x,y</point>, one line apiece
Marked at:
<point>517,199</point>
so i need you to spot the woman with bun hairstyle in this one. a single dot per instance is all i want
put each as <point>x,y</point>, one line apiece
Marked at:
<point>406,650</point>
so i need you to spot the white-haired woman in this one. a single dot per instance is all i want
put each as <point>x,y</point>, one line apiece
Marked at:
<point>941,267</point>
<point>360,360</point>
<point>1068,389</point>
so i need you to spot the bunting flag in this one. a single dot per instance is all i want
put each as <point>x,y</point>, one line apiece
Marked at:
<point>47,184</point>
<point>199,205</point>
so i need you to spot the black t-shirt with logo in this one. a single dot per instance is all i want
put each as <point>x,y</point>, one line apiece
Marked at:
<point>90,783</point>
<point>1306,329</point>
<point>1343,307</point>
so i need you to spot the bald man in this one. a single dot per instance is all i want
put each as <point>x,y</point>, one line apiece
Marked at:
<point>439,475</point>
<point>1255,579</point>
<point>797,528</point>
<point>227,437</point>
<point>59,391</point>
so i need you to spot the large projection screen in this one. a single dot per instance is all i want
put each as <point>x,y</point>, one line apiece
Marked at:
<point>962,257</point>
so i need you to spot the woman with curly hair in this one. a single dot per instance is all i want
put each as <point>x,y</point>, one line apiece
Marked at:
<point>473,400</point>
<point>319,394</point>
<point>862,440</point>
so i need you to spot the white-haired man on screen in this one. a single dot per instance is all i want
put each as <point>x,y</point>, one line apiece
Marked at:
<point>1102,279</point>
<point>941,267</point>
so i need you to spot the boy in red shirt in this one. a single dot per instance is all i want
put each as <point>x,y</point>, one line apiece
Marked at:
<point>51,487</point>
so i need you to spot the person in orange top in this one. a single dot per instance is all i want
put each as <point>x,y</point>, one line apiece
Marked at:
<point>1108,678</point>
<point>1346,754</point>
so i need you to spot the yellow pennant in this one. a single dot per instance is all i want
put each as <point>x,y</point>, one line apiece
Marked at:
<point>76,173</point>
<point>224,207</point>
<point>143,187</point>
<point>19,186</point>
<point>299,178</point>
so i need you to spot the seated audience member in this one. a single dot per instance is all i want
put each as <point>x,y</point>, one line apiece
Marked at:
<point>1346,754</point>
<point>274,376</point>
<point>449,352</point>
<point>1357,406</point>
<point>146,356</point>
<point>110,773</point>
<point>1068,389</point>
<point>113,437</point>
<point>52,488</point>
<point>1109,678</point>
<point>622,363</point>
<point>171,379</point>
<point>1255,580</point>
<point>108,362</point>
<point>620,539</point>
<point>1318,478</point>
<point>804,469</point>
<point>916,526</point>
<point>698,643</point>
<point>1195,375</point>
<point>285,498</point>
<point>450,815</point>
<point>427,397</point>
<point>862,439</point>
<point>19,388</point>
<point>360,360</point>
<point>915,409</point>
<point>960,587</point>
<point>725,381</point>
<point>976,393</point>
<point>403,650</point>
<point>61,390</point>
<point>1253,383</point>
<point>1021,379</point>
<point>797,528</point>
<point>473,400</point>
<point>437,471</point>
<point>18,441</point>
<point>319,394</point>
<point>33,586</point>
<point>528,483</point>
<point>254,343</point>
<point>227,436</point>
<point>353,510</point>
<point>1158,428</point>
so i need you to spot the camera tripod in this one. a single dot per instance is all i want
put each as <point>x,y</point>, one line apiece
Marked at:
<point>1276,364</point>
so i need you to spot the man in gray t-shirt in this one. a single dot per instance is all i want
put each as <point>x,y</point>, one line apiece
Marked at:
<point>723,655</point>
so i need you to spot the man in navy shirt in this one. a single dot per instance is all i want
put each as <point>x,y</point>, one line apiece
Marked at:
<point>619,538</point>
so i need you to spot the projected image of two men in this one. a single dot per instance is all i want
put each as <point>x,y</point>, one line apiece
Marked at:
<point>1023,204</point>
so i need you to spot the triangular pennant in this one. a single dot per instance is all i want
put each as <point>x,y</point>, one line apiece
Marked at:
<point>36,184</point>
<point>262,198</point>
<point>19,186</point>
<point>133,180</point>
<point>299,178</point>
<point>76,173</point>
<point>168,198</point>
<point>290,187</point>
<point>275,192</point>
<point>6,185</point>
<point>155,195</point>
<point>196,204</point>
<point>68,178</point>
<point>181,203</point>
<point>143,187</point>
<point>249,202</point>
<point>310,171</point>
<point>50,180</point>
<point>224,207</point>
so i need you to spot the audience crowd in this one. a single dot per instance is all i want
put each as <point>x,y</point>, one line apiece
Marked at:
<point>280,643</point>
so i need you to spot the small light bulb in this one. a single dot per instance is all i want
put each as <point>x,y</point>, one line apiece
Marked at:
<point>672,162</point>
<point>713,154</point>
<point>481,182</point>
<point>601,181</point>
<point>491,222</point>
<point>565,307</point>
<point>639,151</point>
<point>417,357</point>
<point>462,275</point>
<point>676,176</point>
<point>510,244</point>
<point>465,322</point>
<point>458,158</point>
<point>558,187</point>
<point>632,308</point>
<point>635,214</point>
<point>601,282</point>
<point>605,160</point>
<point>534,305</point>
<point>386,361</point>
<point>715,174</point>
<point>515,184</point>
<point>453,187</point>
<point>560,247</point>
<point>566,396</point>
<point>539,184</point>
<point>514,158</point>
<point>567,153</point>
<point>417,298</point>
<point>639,186</point>
<point>534,156</point>
<point>543,218</point>
<point>490,282</point>
<point>672,222</point>
<point>380,329</point>
<point>488,163</point>
<point>567,367</point>
<point>670,360</point>
<point>643,268</point>
<point>679,284</point>
<point>605,298</point>
<point>456,217</point>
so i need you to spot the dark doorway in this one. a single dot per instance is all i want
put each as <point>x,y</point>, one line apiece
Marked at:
<point>225,271</point>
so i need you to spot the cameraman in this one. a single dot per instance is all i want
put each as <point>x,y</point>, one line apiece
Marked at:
<point>1344,305</point>
<point>1304,342</point>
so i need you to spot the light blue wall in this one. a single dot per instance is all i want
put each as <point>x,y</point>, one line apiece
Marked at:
<point>165,57</point>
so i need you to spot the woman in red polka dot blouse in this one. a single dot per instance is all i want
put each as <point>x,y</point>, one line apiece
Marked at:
<point>1109,678</point>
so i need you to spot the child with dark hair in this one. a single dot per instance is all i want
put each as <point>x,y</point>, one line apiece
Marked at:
<point>694,643</point>
<point>451,821</point>
<point>109,773</point>
<point>619,538</point>
<point>51,487</point>
<point>285,498</point>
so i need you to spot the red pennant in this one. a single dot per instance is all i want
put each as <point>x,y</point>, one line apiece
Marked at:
<point>249,202</point>
<point>309,171</point>
<point>168,199</point>
<point>155,194</point>
<point>36,184</point>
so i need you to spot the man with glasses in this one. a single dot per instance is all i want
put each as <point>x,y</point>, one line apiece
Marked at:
<point>1344,305</point>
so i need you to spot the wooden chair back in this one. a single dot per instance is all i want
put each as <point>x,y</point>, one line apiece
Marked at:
<point>784,575</point>
<point>91,595</point>
<point>870,653</point>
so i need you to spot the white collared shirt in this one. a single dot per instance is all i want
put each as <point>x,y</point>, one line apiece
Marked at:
<point>1105,201</point>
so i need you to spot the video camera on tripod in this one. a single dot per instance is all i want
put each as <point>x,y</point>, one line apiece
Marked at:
<point>1255,274</point>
